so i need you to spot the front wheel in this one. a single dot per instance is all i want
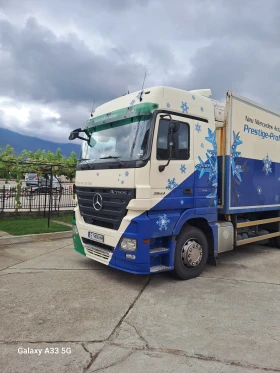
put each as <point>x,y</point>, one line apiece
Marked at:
<point>191,253</point>
<point>274,242</point>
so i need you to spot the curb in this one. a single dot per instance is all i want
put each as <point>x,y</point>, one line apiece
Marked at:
<point>28,238</point>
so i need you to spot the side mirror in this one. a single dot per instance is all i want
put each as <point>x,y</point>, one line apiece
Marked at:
<point>174,127</point>
<point>75,134</point>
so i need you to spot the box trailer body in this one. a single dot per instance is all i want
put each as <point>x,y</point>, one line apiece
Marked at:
<point>169,179</point>
<point>248,157</point>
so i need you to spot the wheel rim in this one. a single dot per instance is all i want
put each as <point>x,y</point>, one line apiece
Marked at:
<point>191,253</point>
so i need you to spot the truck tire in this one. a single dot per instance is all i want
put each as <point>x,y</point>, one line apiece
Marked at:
<point>277,242</point>
<point>191,253</point>
<point>274,242</point>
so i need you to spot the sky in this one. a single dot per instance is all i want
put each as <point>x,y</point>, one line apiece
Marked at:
<point>58,57</point>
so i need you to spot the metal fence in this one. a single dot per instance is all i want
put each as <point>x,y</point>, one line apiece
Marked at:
<point>37,198</point>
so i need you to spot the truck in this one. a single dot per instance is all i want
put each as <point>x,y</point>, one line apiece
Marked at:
<point>169,179</point>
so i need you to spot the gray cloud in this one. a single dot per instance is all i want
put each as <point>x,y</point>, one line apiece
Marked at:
<point>40,66</point>
<point>53,122</point>
<point>60,56</point>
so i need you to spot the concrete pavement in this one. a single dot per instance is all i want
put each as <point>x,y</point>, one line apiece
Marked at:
<point>86,317</point>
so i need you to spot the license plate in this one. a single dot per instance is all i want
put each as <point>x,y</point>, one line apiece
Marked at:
<point>96,237</point>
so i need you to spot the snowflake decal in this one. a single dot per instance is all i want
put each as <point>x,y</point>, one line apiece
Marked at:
<point>182,201</point>
<point>132,102</point>
<point>210,165</point>
<point>276,198</point>
<point>259,190</point>
<point>163,222</point>
<point>201,109</point>
<point>278,178</point>
<point>212,139</point>
<point>126,173</point>
<point>203,167</point>
<point>198,127</point>
<point>184,107</point>
<point>267,165</point>
<point>183,169</point>
<point>237,172</point>
<point>202,145</point>
<point>171,184</point>
<point>236,169</point>
<point>122,181</point>
<point>193,97</point>
<point>97,174</point>
<point>168,105</point>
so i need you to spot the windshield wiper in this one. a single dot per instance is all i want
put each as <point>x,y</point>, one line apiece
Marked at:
<point>112,157</point>
<point>89,165</point>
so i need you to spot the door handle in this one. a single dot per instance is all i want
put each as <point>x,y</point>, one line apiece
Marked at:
<point>188,191</point>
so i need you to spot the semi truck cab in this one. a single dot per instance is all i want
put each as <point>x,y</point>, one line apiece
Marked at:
<point>147,183</point>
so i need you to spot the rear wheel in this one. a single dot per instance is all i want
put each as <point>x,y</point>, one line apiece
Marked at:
<point>191,253</point>
<point>275,242</point>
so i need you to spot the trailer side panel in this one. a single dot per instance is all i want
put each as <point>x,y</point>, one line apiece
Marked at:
<point>251,161</point>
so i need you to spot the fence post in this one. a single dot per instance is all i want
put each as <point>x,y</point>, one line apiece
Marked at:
<point>45,204</point>
<point>39,196</point>
<point>50,198</point>
<point>3,205</point>
<point>54,196</point>
<point>30,199</point>
<point>60,194</point>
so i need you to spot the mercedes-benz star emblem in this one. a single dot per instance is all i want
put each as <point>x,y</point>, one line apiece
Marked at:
<point>97,202</point>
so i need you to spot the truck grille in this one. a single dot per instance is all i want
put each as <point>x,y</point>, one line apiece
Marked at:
<point>99,253</point>
<point>114,205</point>
<point>98,250</point>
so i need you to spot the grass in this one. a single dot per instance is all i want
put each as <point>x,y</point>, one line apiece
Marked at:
<point>63,218</point>
<point>21,226</point>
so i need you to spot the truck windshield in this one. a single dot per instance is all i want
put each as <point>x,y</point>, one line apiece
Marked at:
<point>125,139</point>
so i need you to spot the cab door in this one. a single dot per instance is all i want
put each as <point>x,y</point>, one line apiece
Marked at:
<point>172,189</point>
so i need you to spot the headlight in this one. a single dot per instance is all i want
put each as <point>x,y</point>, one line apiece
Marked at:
<point>75,229</point>
<point>128,244</point>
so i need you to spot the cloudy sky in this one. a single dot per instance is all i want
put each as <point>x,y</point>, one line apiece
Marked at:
<point>57,57</point>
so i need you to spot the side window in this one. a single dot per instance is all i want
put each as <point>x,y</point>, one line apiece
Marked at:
<point>181,147</point>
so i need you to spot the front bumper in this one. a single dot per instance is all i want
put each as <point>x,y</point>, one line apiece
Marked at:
<point>109,252</point>
<point>78,246</point>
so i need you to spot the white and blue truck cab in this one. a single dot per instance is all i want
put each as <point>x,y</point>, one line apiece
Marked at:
<point>168,179</point>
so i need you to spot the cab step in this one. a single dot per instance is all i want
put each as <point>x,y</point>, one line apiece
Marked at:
<point>159,250</point>
<point>160,268</point>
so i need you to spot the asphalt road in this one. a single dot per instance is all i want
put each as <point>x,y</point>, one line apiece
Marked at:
<point>76,315</point>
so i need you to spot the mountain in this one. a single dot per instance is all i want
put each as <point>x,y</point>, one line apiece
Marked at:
<point>21,142</point>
